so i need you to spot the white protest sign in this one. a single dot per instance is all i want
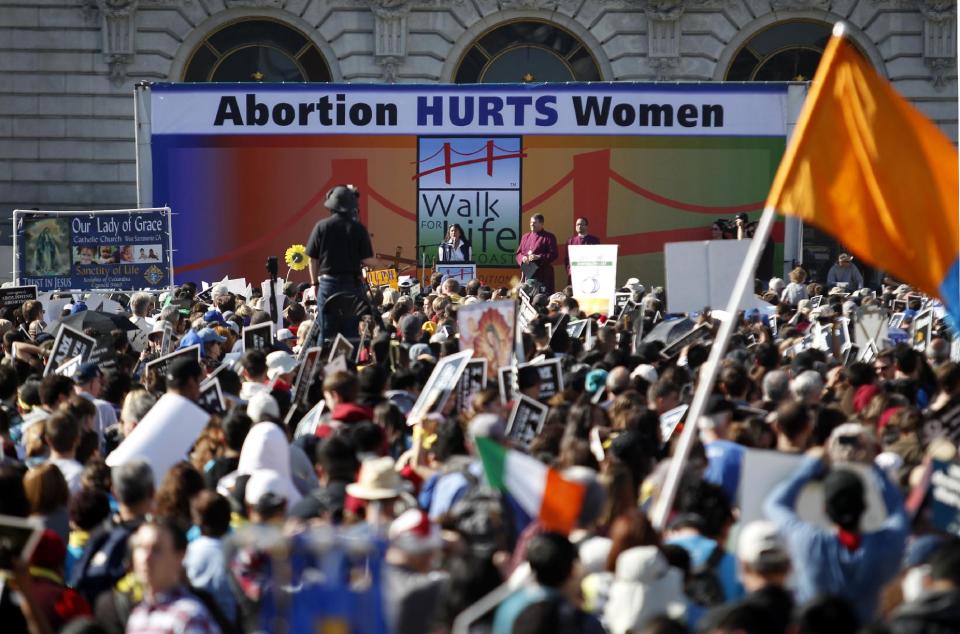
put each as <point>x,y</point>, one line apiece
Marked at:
<point>868,353</point>
<point>763,470</point>
<point>308,424</point>
<point>339,364</point>
<point>703,273</point>
<point>52,308</point>
<point>160,364</point>
<point>15,296</point>
<point>870,324</point>
<point>265,302</point>
<point>238,286</point>
<point>69,368</point>
<point>164,436</point>
<point>443,380</point>
<point>669,421</point>
<point>549,371</point>
<point>97,301</point>
<point>821,336</point>
<point>166,340</point>
<point>137,339</point>
<point>258,337</point>
<point>593,270</point>
<point>232,361</point>
<point>460,271</point>
<point>922,330</point>
<point>341,347</point>
<point>526,420</point>
<point>69,343</point>
<point>575,329</point>
<point>211,397</point>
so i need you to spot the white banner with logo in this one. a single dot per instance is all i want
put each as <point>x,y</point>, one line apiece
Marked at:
<point>593,268</point>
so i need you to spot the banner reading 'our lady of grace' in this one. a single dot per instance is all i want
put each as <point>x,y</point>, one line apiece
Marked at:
<point>83,250</point>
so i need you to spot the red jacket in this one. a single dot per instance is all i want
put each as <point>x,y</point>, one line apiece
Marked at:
<point>342,414</point>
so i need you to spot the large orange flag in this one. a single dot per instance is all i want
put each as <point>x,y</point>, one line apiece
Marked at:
<point>867,167</point>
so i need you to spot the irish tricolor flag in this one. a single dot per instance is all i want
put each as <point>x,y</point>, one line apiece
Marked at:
<point>537,488</point>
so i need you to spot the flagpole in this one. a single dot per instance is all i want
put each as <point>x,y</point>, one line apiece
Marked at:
<point>463,621</point>
<point>708,372</point>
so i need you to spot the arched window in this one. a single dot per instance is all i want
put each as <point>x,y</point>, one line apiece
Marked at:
<point>256,50</point>
<point>785,51</point>
<point>526,51</point>
<point>791,51</point>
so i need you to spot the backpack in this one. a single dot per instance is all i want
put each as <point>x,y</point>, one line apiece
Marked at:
<point>703,585</point>
<point>102,563</point>
<point>479,514</point>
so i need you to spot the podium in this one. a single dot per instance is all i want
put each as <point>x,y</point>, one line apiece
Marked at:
<point>463,272</point>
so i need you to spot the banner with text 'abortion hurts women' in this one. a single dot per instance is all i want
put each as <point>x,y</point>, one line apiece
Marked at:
<point>245,168</point>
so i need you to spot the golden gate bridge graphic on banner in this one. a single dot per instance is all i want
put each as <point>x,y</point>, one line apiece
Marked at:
<point>448,166</point>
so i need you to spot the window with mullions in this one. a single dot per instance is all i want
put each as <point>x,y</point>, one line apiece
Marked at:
<point>256,50</point>
<point>526,51</point>
<point>787,51</point>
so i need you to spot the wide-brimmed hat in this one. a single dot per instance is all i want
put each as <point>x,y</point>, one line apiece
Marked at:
<point>341,199</point>
<point>378,480</point>
<point>844,257</point>
<point>634,285</point>
<point>280,363</point>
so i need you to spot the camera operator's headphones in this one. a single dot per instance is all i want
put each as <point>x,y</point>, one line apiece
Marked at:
<point>342,199</point>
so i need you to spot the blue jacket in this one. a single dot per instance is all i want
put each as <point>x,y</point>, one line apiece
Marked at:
<point>822,565</point>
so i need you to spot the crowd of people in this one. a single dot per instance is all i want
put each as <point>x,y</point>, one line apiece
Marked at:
<point>238,535</point>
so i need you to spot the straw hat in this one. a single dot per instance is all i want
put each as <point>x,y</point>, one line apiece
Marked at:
<point>378,480</point>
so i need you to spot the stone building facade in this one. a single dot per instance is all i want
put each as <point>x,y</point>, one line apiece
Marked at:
<point>69,66</point>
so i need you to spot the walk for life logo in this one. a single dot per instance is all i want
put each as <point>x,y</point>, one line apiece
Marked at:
<point>473,182</point>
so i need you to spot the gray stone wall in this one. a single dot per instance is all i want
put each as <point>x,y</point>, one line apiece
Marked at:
<point>69,66</point>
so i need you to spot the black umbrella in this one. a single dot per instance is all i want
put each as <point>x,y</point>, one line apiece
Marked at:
<point>670,331</point>
<point>98,320</point>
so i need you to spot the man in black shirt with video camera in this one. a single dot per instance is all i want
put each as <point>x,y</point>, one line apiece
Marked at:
<point>338,247</point>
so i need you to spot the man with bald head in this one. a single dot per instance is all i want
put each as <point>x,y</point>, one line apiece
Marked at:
<point>618,380</point>
<point>538,247</point>
<point>938,351</point>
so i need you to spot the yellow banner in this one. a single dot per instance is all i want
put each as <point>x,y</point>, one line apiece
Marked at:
<point>383,277</point>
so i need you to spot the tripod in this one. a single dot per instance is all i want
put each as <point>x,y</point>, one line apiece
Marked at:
<point>422,249</point>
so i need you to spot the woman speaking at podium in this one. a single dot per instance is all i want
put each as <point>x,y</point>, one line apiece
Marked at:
<point>455,248</point>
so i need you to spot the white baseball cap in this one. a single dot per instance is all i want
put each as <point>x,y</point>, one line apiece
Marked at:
<point>760,545</point>
<point>263,482</point>
<point>646,372</point>
<point>263,407</point>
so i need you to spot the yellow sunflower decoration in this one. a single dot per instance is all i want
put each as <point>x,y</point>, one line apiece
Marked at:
<point>296,257</point>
